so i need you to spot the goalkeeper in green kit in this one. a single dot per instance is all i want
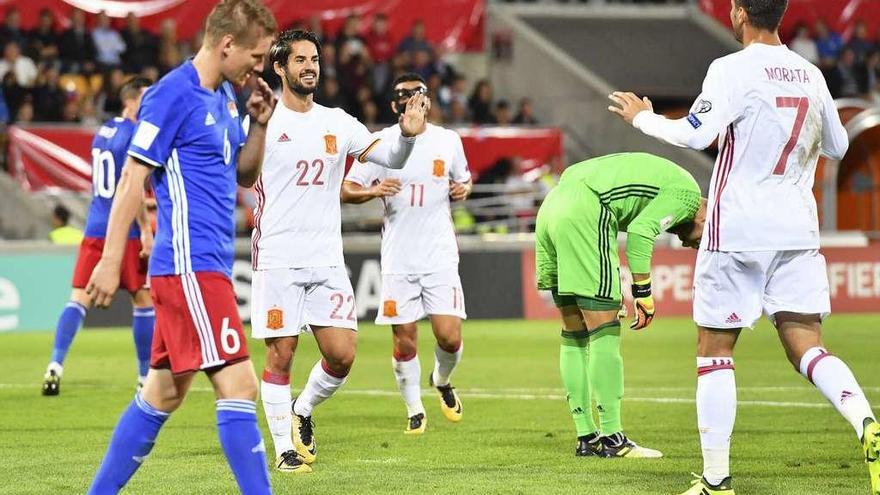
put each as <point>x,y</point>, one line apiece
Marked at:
<point>577,260</point>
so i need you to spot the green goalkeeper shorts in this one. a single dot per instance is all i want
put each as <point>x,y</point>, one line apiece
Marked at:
<point>576,249</point>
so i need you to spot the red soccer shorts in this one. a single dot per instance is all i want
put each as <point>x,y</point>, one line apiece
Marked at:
<point>132,273</point>
<point>197,323</point>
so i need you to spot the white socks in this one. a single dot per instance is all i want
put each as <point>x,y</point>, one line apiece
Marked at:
<point>276,398</point>
<point>716,413</point>
<point>836,382</point>
<point>408,373</point>
<point>444,364</point>
<point>321,385</point>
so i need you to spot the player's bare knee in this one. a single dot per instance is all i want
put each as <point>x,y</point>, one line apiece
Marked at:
<point>340,363</point>
<point>405,338</point>
<point>716,342</point>
<point>449,342</point>
<point>279,354</point>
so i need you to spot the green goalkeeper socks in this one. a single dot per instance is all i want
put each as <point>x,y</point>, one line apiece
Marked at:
<point>606,375</point>
<point>573,364</point>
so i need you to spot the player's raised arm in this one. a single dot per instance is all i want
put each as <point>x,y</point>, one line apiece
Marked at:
<point>126,205</point>
<point>708,116</point>
<point>260,105</point>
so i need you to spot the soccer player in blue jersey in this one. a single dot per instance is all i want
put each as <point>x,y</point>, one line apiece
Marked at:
<point>108,155</point>
<point>191,142</point>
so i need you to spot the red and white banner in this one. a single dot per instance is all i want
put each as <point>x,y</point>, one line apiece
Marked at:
<point>60,156</point>
<point>456,25</point>
<point>853,274</point>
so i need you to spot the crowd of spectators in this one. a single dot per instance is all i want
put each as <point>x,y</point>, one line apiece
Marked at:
<point>851,65</point>
<point>72,75</point>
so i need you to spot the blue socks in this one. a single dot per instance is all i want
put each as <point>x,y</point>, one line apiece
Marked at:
<point>68,324</point>
<point>142,322</point>
<point>132,441</point>
<point>243,445</point>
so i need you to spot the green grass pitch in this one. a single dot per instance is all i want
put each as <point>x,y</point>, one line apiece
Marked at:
<point>516,435</point>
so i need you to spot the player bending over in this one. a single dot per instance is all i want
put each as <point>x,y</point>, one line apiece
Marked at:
<point>773,116</point>
<point>577,260</point>
<point>300,282</point>
<point>419,253</point>
<point>190,141</point>
<point>108,157</point>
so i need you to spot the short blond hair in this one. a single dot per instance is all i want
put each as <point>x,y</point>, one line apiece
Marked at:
<point>240,18</point>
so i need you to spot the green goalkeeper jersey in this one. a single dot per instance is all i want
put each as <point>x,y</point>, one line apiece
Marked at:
<point>645,193</point>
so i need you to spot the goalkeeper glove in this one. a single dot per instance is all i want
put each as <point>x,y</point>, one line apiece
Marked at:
<point>643,304</point>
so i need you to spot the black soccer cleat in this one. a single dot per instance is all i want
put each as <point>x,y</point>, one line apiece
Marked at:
<point>591,445</point>
<point>416,424</point>
<point>51,383</point>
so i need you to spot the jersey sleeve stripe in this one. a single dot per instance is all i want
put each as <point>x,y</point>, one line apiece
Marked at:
<point>363,156</point>
<point>141,158</point>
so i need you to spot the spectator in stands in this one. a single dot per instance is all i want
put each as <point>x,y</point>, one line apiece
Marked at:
<point>108,42</point>
<point>844,79</point>
<point>828,42</point>
<point>25,114</point>
<point>421,63</point>
<point>804,45</point>
<point>49,97</point>
<point>458,113</point>
<point>503,114</point>
<point>43,41</point>
<point>76,46</point>
<point>480,103</point>
<point>328,92</point>
<point>4,111</point>
<point>860,43</point>
<point>141,46</point>
<point>170,55</point>
<point>872,76</point>
<point>109,104</point>
<point>353,73</point>
<point>381,49</point>
<point>349,37</point>
<point>456,90</point>
<point>14,62</point>
<point>15,95</point>
<point>520,196</point>
<point>70,112</point>
<point>62,233</point>
<point>328,60</point>
<point>416,40</point>
<point>526,113</point>
<point>370,114</point>
<point>11,29</point>
<point>435,114</point>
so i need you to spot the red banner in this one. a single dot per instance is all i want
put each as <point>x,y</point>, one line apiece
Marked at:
<point>853,274</point>
<point>455,25</point>
<point>840,15</point>
<point>61,156</point>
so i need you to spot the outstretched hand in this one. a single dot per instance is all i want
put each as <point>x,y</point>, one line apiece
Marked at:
<point>629,105</point>
<point>414,119</point>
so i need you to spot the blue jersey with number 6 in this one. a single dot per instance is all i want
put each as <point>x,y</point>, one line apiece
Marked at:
<point>108,156</point>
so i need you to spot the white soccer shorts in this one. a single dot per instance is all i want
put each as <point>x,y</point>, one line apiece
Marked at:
<point>409,298</point>
<point>732,289</point>
<point>287,301</point>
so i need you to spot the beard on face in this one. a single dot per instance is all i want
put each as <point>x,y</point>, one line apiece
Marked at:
<point>298,87</point>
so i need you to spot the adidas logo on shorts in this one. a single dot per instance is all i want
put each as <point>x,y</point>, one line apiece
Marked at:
<point>733,318</point>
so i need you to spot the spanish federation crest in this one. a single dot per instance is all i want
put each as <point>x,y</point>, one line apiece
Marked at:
<point>330,144</point>
<point>275,319</point>
<point>439,168</point>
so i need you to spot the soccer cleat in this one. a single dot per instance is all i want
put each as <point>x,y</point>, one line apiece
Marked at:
<point>450,404</point>
<point>618,445</point>
<point>304,438</point>
<point>416,424</point>
<point>871,444</point>
<point>290,462</point>
<point>702,487</point>
<point>51,383</point>
<point>590,445</point>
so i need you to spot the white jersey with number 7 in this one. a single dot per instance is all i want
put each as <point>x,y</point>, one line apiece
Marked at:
<point>773,115</point>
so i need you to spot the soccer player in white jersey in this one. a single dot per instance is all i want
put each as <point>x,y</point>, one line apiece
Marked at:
<point>300,282</point>
<point>773,115</point>
<point>419,253</point>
